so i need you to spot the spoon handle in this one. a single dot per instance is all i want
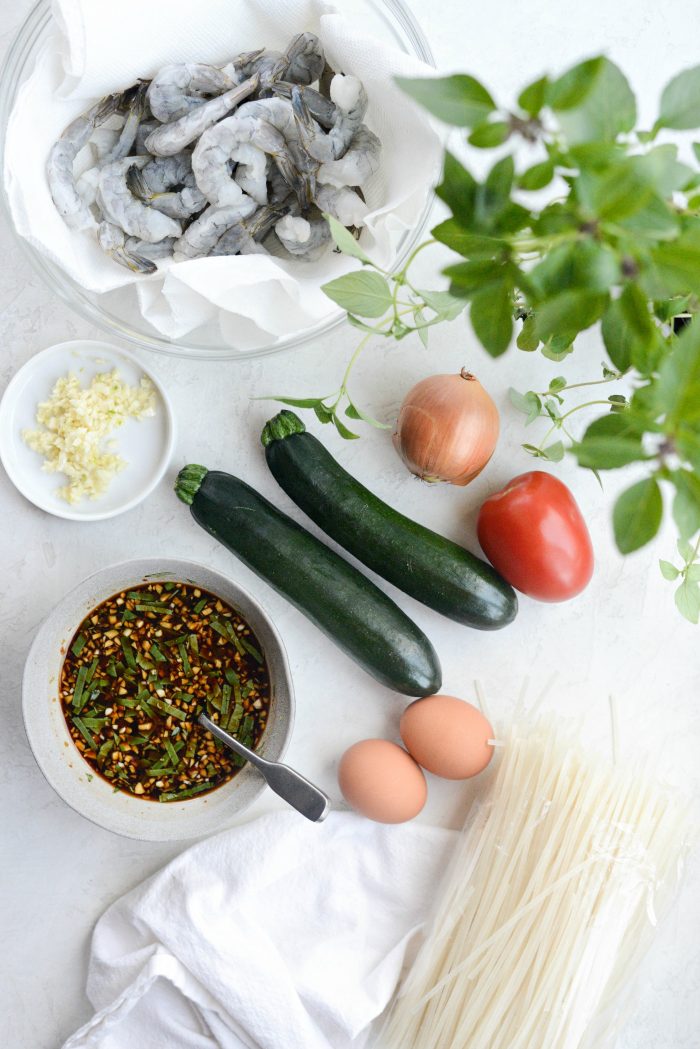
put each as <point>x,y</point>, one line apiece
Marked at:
<point>290,785</point>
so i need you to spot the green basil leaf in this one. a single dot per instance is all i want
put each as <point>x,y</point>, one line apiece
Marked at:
<point>353,412</point>
<point>470,277</point>
<point>533,97</point>
<point>554,452</point>
<point>527,403</point>
<point>528,339</point>
<point>537,177</point>
<point>669,571</point>
<point>298,402</point>
<point>471,245</point>
<point>678,387</point>
<point>610,442</point>
<point>557,348</point>
<point>489,134</point>
<point>556,218</point>
<point>602,105</point>
<point>459,100</point>
<point>585,265</point>
<point>323,414</point>
<point>345,241</point>
<point>655,221</point>
<point>628,330</point>
<point>637,515</point>
<point>446,306</point>
<point>608,453</point>
<point>675,267</point>
<point>458,190</point>
<point>568,313</point>
<point>571,88</point>
<point>666,172</point>
<point>616,192</point>
<point>344,432</point>
<point>688,601</point>
<point>680,101</point>
<point>491,316</point>
<point>686,503</point>
<point>357,323</point>
<point>364,292</point>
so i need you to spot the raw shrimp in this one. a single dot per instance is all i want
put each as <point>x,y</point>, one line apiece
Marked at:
<point>302,63</point>
<point>173,138</point>
<point>208,229</point>
<point>305,239</point>
<point>321,108</point>
<point>305,59</point>
<point>359,163</point>
<point>350,100</point>
<point>179,88</point>
<point>260,124</point>
<point>342,203</point>
<point>136,107</point>
<point>162,173</point>
<point>251,171</point>
<point>242,66</point>
<point>162,249</point>
<point>343,114</point>
<point>242,238</point>
<point>59,169</point>
<point>122,208</point>
<point>180,203</point>
<point>112,240</point>
<point>146,127</point>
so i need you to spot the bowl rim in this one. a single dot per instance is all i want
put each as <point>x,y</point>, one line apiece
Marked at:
<point>171,435</point>
<point>138,568</point>
<point>78,299</point>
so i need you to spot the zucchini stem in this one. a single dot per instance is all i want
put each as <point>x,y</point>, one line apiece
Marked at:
<point>189,481</point>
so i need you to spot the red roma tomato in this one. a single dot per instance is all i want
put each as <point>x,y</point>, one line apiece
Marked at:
<point>533,533</point>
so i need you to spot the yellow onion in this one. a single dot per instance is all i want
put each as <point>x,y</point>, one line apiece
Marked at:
<point>447,428</point>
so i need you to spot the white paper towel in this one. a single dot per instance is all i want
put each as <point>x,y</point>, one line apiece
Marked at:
<point>99,48</point>
<point>276,935</point>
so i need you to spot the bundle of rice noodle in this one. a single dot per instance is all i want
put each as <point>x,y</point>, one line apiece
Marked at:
<point>552,898</point>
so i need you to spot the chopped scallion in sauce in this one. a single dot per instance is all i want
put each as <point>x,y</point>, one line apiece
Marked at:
<point>138,672</point>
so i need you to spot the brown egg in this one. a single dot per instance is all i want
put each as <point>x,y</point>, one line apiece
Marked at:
<point>381,781</point>
<point>447,736</point>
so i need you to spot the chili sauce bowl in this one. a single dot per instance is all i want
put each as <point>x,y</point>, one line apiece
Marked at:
<point>70,775</point>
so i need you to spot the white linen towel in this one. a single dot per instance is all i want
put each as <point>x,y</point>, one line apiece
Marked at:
<point>278,934</point>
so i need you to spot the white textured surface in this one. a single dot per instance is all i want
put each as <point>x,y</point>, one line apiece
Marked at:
<point>622,636</point>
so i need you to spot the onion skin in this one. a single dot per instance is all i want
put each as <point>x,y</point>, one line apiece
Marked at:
<point>447,428</point>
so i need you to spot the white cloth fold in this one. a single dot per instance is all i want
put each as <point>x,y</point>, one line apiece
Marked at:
<point>275,935</point>
<point>98,48</point>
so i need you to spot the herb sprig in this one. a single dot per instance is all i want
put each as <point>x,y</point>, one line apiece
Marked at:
<point>616,242</point>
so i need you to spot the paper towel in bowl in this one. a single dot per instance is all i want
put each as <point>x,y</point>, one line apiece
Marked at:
<point>100,48</point>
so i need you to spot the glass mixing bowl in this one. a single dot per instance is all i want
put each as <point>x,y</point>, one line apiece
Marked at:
<point>117,312</point>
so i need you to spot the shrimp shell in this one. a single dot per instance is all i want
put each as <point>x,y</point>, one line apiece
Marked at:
<point>123,209</point>
<point>207,230</point>
<point>179,88</point>
<point>173,138</point>
<point>59,168</point>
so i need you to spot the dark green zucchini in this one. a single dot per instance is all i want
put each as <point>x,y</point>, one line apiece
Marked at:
<point>434,570</point>
<point>342,602</point>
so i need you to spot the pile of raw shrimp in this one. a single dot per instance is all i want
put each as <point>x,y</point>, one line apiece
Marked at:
<point>203,161</point>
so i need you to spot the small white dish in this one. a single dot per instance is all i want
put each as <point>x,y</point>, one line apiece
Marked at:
<point>146,444</point>
<point>62,763</point>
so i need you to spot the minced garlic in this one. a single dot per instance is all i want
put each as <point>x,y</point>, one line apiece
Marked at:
<point>78,420</point>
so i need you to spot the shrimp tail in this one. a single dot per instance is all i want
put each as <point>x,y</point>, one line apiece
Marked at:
<point>135,263</point>
<point>136,184</point>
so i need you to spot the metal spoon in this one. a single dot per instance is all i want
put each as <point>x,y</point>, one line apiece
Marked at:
<point>290,785</point>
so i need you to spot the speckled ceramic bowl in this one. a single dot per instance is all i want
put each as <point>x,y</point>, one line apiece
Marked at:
<point>60,760</point>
